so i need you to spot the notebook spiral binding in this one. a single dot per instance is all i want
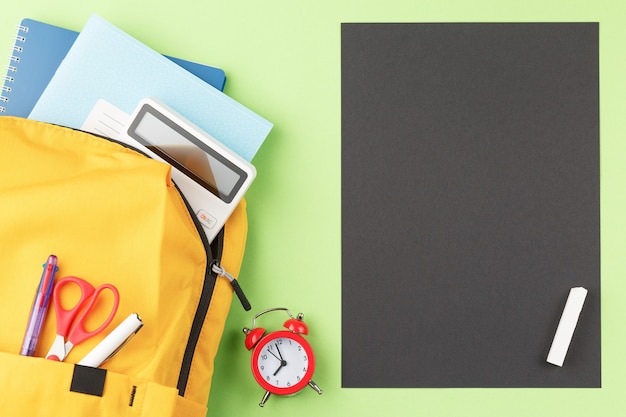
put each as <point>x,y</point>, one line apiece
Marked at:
<point>11,68</point>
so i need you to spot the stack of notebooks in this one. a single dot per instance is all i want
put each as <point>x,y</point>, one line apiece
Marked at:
<point>59,76</point>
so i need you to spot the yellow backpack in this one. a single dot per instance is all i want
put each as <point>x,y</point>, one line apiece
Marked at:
<point>110,215</point>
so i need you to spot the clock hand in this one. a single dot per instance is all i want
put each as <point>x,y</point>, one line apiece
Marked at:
<point>282,361</point>
<point>278,350</point>
<point>274,355</point>
<point>279,368</point>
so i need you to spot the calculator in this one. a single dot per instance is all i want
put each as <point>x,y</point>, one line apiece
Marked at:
<point>212,177</point>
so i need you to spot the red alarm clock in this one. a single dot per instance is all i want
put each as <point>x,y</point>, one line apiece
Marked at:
<point>282,361</point>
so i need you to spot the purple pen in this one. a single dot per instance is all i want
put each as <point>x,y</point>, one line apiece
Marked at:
<point>40,306</point>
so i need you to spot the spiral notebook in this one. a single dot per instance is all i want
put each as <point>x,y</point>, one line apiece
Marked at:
<point>107,63</point>
<point>39,49</point>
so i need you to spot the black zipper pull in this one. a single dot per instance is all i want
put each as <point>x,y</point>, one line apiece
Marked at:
<point>216,268</point>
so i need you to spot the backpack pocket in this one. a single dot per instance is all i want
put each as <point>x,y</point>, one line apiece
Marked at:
<point>60,391</point>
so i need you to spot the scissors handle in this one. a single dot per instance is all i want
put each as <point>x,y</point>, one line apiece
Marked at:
<point>65,317</point>
<point>79,333</point>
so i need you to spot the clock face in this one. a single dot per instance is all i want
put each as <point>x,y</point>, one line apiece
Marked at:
<point>283,362</point>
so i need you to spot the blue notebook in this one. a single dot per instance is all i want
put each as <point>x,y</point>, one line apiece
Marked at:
<point>39,49</point>
<point>106,63</point>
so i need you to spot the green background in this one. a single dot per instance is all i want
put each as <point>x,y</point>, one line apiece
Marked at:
<point>282,59</point>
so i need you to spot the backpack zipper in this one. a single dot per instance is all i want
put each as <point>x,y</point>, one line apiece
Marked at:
<point>210,278</point>
<point>213,255</point>
<point>216,268</point>
<point>202,308</point>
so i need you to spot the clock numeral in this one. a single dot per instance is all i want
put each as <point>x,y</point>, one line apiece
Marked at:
<point>262,367</point>
<point>305,358</point>
<point>264,357</point>
<point>288,384</point>
<point>299,348</point>
<point>298,378</point>
<point>267,377</point>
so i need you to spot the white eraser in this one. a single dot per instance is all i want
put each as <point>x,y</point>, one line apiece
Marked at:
<point>567,324</point>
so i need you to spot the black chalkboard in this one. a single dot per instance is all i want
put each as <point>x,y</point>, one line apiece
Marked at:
<point>470,203</point>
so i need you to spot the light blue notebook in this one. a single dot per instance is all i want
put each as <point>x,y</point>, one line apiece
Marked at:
<point>38,50</point>
<point>106,63</point>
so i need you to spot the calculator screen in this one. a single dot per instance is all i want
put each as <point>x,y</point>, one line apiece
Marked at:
<point>183,150</point>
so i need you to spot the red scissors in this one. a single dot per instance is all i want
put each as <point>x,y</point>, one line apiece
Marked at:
<point>71,324</point>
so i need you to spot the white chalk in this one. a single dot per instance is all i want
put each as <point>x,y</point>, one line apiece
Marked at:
<point>567,324</point>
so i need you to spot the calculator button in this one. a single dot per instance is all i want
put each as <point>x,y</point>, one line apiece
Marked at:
<point>206,219</point>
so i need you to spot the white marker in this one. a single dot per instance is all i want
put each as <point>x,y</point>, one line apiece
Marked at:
<point>567,324</point>
<point>114,341</point>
